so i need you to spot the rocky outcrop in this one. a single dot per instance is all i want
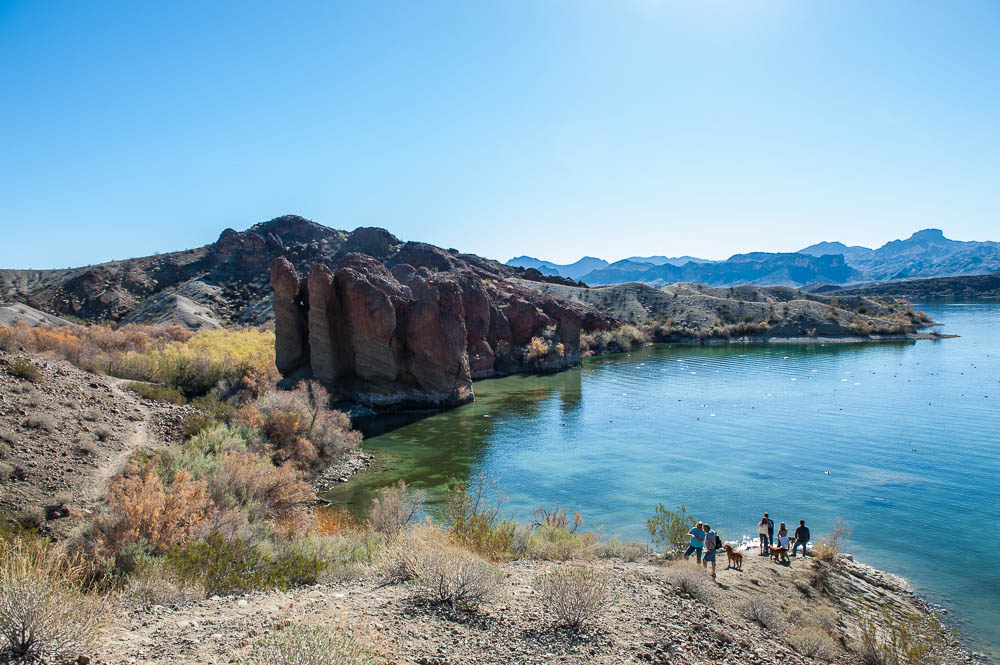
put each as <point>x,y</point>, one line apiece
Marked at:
<point>410,325</point>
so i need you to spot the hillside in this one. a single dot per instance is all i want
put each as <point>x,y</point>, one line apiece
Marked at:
<point>225,282</point>
<point>694,311</point>
<point>958,288</point>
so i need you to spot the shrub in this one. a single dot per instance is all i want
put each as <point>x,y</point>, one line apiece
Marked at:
<point>829,546</point>
<point>556,519</point>
<point>220,566</point>
<point>24,369</point>
<point>613,548</point>
<point>85,445</point>
<point>301,645</point>
<point>158,393</point>
<point>690,582</point>
<point>7,342</point>
<point>141,508</point>
<point>334,521</point>
<point>394,508</point>
<point>40,421</point>
<point>915,640</point>
<point>572,595</point>
<point>812,642</point>
<point>45,616</point>
<point>764,612</point>
<point>455,578</point>
<point>197,364</point>
<point>250,481</point>
<point>669,530</point>
<point>474,512</point>
<point>210,411</point>
<point>300,425</point>
<point>103,433</point>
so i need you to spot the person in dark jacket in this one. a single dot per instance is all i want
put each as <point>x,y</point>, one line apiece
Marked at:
<point>801,538</point>
<point>770,531</point>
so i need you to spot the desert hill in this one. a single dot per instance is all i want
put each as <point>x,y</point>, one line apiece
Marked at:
<point>225,282</point>
<point>694,311</point>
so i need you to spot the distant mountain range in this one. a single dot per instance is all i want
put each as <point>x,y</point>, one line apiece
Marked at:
<point>925,254</point>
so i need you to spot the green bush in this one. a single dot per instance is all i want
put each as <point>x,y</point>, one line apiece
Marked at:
<point>211,411</point>
<point>669,530</point>
<point>24,369</point>
<point>474,512</point>
<point>220,566</point>
<point>158,393</point>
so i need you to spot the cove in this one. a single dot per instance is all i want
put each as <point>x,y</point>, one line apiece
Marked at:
<point>909,433</point>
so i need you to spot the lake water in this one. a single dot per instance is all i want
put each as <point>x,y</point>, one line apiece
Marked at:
<point>909,433</point>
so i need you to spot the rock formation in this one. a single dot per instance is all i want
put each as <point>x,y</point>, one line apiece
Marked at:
<point>394,325</point>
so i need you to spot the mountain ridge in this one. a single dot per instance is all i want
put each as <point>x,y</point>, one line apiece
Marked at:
<point>926,253</point>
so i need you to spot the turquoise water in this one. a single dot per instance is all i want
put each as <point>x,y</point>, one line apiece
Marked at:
<point>909,433</point>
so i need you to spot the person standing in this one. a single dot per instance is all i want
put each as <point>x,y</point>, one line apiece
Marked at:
<point>711,546</point>
<point>697,541</point>
<point>801,538</point>
<point>770,531</point>
<point>762,533</point>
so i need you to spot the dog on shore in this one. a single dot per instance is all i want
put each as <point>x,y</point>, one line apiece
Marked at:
<point>735,558</point>
<point>779,554</point>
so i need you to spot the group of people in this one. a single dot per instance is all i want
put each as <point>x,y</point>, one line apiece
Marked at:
<point>705,542</point>
<point>765,531</point>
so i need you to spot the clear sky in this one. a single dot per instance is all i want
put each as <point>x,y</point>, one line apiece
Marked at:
<point>541,127</point>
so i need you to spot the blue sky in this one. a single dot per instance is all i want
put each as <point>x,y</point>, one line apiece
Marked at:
<point>543,127</point>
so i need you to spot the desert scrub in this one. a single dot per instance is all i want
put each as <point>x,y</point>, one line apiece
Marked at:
<point>42,421</point>
<point>394,508</point>
<point>304,645</point>
<point>455,578</point>
<point>474,513</point>
<point>45,614</point>
<point>914,640</point>
<point>669,529</point>
<point>140,507</point>
<point>196,365</point>
<point>614,548</point>
<point>220,566</point>
<point>829,546</point>
<point>624,338</point>
<point>158,393</point>
<point>300,426</point>
<point>22,368</point>
<point>812,642</point>
<point>764,612</point>
<point>689,582</point>
<point>572,595</point>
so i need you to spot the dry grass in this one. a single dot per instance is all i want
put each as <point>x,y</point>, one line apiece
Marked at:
<point>45,615</point>
<point>829,546</point>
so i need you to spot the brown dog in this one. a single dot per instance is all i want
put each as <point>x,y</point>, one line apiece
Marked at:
<point>779,554</point>
<point>735,558</point>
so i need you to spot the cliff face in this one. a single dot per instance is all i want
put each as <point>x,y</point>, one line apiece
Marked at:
<point>394,325</point>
